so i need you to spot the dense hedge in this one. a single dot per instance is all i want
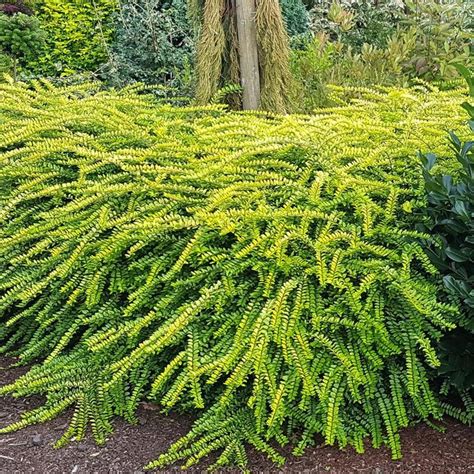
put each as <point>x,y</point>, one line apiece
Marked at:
<point>261,270</point>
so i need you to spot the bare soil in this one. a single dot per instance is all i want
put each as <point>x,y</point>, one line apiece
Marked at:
<point>132,446</point>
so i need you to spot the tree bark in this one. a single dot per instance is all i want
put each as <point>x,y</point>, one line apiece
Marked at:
<point>248,53</point>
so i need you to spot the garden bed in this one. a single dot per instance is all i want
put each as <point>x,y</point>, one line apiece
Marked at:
<point>132,446</point>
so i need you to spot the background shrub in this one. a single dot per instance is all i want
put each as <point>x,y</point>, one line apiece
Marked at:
<point>362,43</point>
<point>78,34</point>
<point>355,23</point>
<point>451,212</point>
<point>441,34</point>
<point>20,38</point>
<point>312,63</point>
<point>319,62</point>
<point>260,270</point>
<point>153,43</point>
<point>296,16</point>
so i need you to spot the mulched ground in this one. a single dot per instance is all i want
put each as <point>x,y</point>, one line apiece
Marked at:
<point>131,447</point>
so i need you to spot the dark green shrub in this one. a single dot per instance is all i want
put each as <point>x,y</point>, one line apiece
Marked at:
<point>451,213</point>
<point>153,43</point>
<point>451,209</point>
<point>296,16</point>
<point>20,38</point>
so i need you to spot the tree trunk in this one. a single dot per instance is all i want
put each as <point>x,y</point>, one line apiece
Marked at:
<point>248,52</point>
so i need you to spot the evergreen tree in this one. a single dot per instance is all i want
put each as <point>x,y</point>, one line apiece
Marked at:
<point>20,36</point>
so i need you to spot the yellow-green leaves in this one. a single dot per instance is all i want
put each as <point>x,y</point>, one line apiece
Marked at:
<point>259,269</point>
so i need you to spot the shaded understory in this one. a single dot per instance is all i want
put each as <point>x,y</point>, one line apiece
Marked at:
<point>131,447</point>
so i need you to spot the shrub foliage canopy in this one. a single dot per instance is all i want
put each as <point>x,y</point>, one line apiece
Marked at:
<point>262,270</point>
<point>451,212</point>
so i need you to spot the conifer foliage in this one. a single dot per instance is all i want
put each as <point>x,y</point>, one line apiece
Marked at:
<point>260,270</point>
